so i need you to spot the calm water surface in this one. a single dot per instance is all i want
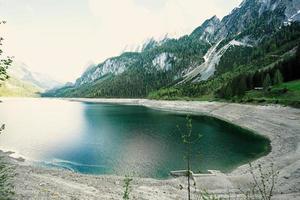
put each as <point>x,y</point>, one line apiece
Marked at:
<point>119,139</point>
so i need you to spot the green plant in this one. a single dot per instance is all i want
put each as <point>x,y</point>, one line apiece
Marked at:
<point>205,195</point>
<point>263,183</point>
<point>189,139</point>
<point>262,186</point>
<point>127,181</point>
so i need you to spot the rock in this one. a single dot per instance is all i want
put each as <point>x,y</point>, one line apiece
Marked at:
<point>42,184</point>
<point>20,159</point>
<point>181,187</point>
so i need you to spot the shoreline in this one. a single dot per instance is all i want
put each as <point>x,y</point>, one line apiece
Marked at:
<point>281,125</point>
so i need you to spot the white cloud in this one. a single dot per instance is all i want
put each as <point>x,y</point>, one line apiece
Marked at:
<point>132,23</point>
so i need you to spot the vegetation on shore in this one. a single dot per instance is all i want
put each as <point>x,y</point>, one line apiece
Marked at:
<point>285,94</point>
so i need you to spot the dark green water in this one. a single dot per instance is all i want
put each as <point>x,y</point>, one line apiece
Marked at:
<point>118,139</point>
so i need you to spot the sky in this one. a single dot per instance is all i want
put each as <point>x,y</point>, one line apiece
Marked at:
<point>60,38</point>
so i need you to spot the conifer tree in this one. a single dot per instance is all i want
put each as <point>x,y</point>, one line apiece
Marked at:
<point>278,78</point>
<point>242,86</point>
<point>267,82</point>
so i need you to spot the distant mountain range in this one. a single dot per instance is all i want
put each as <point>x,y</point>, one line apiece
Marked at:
<point>23,82</point>
<point>253,36</point>
<point>20,70</point>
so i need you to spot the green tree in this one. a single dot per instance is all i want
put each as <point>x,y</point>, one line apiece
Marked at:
<point>278,78</point>
<point>4,62</point>
<point>273,46</point>
<point>242,86</point>
<point>228,91</point>
<point>267,82</point>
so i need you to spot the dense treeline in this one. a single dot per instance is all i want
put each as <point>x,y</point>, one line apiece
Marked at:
<point>289,70</point>
<point>284,71</point>
<point>133,84</point>
<point>232,58</point>
<point>130,84</point>
<point>268,50</point>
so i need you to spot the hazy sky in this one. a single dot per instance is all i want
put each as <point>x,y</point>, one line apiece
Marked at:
<point>59,37</point>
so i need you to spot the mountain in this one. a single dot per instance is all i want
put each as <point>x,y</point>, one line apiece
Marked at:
<point>20,71</point>
<point>14,87</point>
<point>256,35</point>
<point>23,82</point>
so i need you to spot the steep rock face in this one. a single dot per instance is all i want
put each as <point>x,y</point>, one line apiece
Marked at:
<point>292,12</point>
<point>212,58</point>
<point>244,16</point>
<point>114,66</point>
<point>208,29</point>
<point>291,7</point>
<point>163,61</point>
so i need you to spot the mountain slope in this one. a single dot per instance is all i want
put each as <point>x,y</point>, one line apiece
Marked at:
<point>252,31</point>
<point>20,71</point>
<point>23,82</point>
<point>14,87</point>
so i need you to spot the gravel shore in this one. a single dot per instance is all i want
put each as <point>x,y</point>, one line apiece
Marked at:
<point>280,124</point>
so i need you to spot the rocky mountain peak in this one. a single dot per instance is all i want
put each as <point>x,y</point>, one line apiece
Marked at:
<point>207,30</point>
<point>250,12</point>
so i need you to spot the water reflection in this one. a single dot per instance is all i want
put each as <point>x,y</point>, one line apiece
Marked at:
<point>37,127</point>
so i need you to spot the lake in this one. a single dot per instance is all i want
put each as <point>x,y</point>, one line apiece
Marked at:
<point>119,139</point>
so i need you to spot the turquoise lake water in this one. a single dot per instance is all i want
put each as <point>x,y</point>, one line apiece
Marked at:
<point>121,140</point>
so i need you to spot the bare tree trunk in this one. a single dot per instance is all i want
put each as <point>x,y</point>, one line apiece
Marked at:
<point>188,168</point>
